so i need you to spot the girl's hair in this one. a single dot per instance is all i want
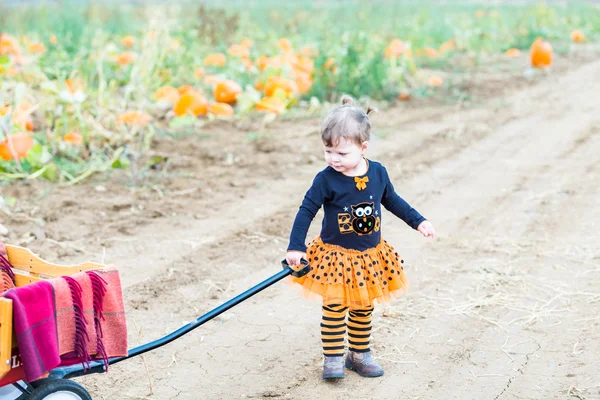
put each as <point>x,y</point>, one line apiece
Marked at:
<point>347,120</point>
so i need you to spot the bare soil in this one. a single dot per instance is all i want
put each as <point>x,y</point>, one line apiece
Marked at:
<point>504,302</point>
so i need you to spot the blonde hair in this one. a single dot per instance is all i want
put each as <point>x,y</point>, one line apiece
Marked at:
<point>348,120</point>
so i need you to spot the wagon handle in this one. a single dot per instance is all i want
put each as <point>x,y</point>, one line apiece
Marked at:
<point>98,366</point>
<point>297,273</point>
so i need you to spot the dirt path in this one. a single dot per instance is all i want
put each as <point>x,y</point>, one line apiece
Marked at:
<point>504,302</point>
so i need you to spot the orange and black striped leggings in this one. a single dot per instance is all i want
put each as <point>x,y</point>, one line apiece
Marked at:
<point>333,329</point>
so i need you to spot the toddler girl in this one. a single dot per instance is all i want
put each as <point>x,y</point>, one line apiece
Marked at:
<point>352,267</point>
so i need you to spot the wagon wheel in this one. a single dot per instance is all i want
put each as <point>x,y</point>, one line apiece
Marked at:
<point>60,389</point>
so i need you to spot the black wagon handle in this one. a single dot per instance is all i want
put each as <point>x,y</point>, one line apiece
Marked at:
<point>297,273</point>
<point>98,366</point>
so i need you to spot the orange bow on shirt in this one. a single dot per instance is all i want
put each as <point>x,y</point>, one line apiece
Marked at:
<point>361,183</point>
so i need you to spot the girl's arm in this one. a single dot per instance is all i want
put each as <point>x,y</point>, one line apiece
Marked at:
<point>313,200</point>
<point>398,206</point>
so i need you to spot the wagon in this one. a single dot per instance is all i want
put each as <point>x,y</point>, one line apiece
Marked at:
<point>29,268</point>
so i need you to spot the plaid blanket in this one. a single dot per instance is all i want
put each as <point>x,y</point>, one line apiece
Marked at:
<point>67,320</point>
<point>35,327</point>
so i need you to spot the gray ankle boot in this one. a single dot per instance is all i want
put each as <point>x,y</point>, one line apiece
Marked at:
<point>364,364</point>
<point>333,367</point>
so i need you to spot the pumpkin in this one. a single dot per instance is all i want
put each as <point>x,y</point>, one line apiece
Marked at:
<point>540,53</point>
<point>285,45</point>
<point>247,43</point>
<point>167,93</point>
<point>512,52</point>
<point>578,36</point>
<point>185,88</point>
<point>404,96</point>
<point>304,64</point>
<point>191,103</point>
<point>273,105</point>
<point>274,82</point>
<point>448,46</point>
<point>435,81</point>
<point>394,49</point>
<point>128,41</point>
<point>36,48</point>
<point>199,72</point>
<point>220,109</point>
<point>21,143</point>
<point>134,118</point>
<point>73,137</point>
<point>215,60</point>
<point>303,81</point>
<point>226,91</point>
<point>125,58</point>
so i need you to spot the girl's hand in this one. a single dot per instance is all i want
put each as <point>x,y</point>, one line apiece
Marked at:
<point>293,258</point>
<point>426,229</point>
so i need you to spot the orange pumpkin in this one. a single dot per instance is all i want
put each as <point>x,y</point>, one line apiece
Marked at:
<point>226,91</point>
<point>215,60</point>
<point>128,41</point>
<point>21,143</point>
<point>167,93</point>
<point>36,48</point>
<point>394,49</point>
<point>199,72</point>
<point>274,82</point>
<point>404,96</point>
<point>512,52</point>
<point>273,105</point>
<point>246,42</point>
<point>435,81</point>
<point>191,103</point>
<point>220,109</point>
<point>541,54</point>
<point>578,36</point>
<point>448,46</point>
<point>304,64</point>
<point>125,58</point>
<point>134,118</point>
<point>285,45</point>
<point>73,137</point>
<point>303,81</point>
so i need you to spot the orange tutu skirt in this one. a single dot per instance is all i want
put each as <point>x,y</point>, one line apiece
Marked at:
<point>351,277</point>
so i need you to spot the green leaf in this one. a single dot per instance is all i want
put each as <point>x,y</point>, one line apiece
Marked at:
<point>120,163</point>
<point>156,161</point>
<point>38,155</point>
<point>248,99</point>
<point>51,172</point>
<point>179,122</point>
<point>4,60</point>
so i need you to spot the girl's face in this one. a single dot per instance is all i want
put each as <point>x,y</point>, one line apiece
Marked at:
<point>345,156</point>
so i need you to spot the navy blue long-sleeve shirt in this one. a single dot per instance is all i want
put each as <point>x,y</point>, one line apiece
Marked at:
<point>352,217</point>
